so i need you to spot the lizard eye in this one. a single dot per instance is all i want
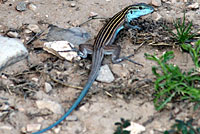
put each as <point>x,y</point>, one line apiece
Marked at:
<point>131,12</point>
<point>140,8</point>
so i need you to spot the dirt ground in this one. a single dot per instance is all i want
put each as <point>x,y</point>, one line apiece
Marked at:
<point>130,96</point>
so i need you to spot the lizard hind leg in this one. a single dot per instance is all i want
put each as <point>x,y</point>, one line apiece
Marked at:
<point>115,52</point>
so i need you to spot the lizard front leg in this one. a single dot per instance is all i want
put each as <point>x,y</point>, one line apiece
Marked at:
<point>84,50</point>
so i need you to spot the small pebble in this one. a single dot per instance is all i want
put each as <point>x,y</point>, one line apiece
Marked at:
<point>13,34</point>
<point>21,6</point>
<point>72,118</point>
<point>72,4</point>
<point>156,3</point>
<point>92,14</point>
<point>105,75</point>
<point>47,87</point>
<point>194,6</point>
<point>33,127</point>
<point>32,7</point>
<point>33,27</point>
<point>57,130</point>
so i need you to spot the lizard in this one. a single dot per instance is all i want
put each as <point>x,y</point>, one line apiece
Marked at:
<point>103,46</point>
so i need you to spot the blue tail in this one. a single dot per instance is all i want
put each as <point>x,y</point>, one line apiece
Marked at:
<point>79,99</point>
<point>96,64</point>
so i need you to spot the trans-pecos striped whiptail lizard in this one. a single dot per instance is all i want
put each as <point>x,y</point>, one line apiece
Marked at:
<point>103,45</point>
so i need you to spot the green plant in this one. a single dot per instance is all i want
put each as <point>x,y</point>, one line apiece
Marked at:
<point>194,52</point>
<point>121,125</point>
<point>183,30</point>
<point>181,127</point>
<point>171,82</point>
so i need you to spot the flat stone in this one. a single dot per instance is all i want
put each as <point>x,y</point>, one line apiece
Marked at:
<point>61,49</point>
<point>51,105</point>
<point>74,35</point>
<point>105,75</point>
<point>12,51</point>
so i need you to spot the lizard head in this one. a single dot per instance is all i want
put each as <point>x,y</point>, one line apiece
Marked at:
<point>137,10</point>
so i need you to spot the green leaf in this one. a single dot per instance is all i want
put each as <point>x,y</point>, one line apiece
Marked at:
<point>186,47</point>
<point>126,124</point>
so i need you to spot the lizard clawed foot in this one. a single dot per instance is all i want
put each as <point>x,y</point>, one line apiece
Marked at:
<point>128,59</point>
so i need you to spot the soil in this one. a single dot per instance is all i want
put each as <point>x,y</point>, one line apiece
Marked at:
<point>130,96</point>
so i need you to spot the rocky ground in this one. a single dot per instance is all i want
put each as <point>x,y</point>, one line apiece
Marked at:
<point>40,87</point>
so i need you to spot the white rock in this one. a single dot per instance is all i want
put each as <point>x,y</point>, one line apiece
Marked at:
<point>59,49</point>
<point>13,34</point>
<point>32,7</point>
<point>51,105</point>
<point>12,51</point>
<point>57,130</point>
<point>33,127</point>
<point>105,75</point>
<point>35,79</point>
<point>135,128</point>
<point>194,6</point>
<point>156,3</point>
<point>73,4</point>
<point>92,14</point>
<point>33,27</point>
<point>47,87</point>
